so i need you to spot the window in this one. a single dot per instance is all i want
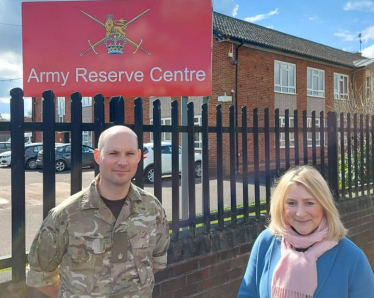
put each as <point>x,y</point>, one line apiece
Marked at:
<point>87,138</point>
<point>86,149</point>
<point>368,87</point>
<point>165,136</point>
<point>282,124</point>
<point>316,82</point>
<point>198,137</point>
<point>309,134</point>
<point>284,77</point>
<point>36,149</point>
<point>167,149</point>
<point>340,86</point>
<point>60,109</point>
<point>86,101</point>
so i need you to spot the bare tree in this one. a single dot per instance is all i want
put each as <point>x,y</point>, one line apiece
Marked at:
<point>356,102</point>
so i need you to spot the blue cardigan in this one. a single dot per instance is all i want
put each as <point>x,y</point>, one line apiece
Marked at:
<point>343,271</point>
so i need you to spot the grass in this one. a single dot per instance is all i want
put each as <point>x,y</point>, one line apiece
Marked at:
<point>226,208</point>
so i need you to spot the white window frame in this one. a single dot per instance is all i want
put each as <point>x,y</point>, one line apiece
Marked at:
<point>60,109</point>
<point>309,134</point>
<point>86,101</point>
<point>165,136</point>
<point>284,77</point>
<point>341,81</point>
<point>282,137</point>
<point>315,82</point>
<point>87,138</point>
<point>198,137</point>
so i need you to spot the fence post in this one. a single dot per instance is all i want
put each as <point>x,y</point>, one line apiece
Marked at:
<point>256,163</point>
<point>191,169</point>
<point>49,168</point>
<point>157,164</point>
<point>205,168</point>
<point>221,212</point>
<point>245,163</point>
<point>18,184</point>
<point>332,143</point>
<point>117,110</point>
<point>175,170</point>
<point>76,143</point>
<point>138,129</point>
<point>99,121</point>
<point>233,157</point>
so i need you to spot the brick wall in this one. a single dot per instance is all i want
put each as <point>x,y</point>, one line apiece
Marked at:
<point>212,265</point>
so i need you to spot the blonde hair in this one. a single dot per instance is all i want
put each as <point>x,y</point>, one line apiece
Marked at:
<point>315,185</point>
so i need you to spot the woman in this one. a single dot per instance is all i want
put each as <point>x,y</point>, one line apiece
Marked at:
<point>304,252</point>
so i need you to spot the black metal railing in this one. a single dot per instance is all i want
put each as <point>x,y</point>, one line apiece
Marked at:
<point>342,151</point>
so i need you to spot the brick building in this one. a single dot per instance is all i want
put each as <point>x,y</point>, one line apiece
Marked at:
<point>256,67</point>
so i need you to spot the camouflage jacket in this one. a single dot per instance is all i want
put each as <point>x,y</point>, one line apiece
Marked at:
<point>95,255</point>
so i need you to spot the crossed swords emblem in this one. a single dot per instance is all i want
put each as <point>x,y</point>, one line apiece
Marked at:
<point>120,23</point>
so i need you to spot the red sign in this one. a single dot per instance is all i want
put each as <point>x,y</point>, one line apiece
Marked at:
<point>128,47</point>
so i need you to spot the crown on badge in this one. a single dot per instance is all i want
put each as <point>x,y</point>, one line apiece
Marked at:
<point>115,44</point>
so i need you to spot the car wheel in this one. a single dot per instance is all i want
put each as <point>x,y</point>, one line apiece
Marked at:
<point>149,175</point>
<point>198,169</point>
<point>31,164</point>
<point>60,166</point>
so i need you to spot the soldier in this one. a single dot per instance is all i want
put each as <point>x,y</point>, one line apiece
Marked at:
<point>107,240</point>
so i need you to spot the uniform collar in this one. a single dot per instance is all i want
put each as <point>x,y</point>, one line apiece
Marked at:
<point>92,199</point>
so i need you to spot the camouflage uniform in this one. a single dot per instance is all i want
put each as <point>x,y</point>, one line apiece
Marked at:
<point>78,243</point>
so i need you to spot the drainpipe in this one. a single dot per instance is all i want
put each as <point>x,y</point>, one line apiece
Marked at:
<point>236,105</point>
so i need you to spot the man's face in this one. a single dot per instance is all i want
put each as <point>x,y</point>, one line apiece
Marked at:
<point>118,159</point>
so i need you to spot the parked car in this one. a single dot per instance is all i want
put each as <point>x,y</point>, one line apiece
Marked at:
<point>31,153</point>
<point>5,158</point>
<point>63,157</point>
<point>27,138</point>
<point>166,164</point>
<point>4,146</point>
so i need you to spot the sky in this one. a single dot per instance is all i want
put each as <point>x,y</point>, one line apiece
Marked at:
<point>335,23</point>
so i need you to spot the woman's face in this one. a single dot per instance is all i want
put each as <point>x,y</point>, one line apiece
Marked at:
<point>303,212</point>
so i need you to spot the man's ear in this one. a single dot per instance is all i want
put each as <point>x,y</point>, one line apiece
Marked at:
<point>96,154</point>
<point>139,155</point>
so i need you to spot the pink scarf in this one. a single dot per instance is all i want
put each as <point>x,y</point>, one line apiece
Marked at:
<point>295,275</point>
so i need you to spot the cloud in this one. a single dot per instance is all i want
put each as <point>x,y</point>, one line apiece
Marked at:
<point>347,36</point>
<point>5,108</point>
<point>10,66</point>
<point>367,34</point>
<point>229,7</point>
<point>235,10</point>
<point>260,17</point>
<point>315,19</point>
<point>368,52</point>
<point>360,5</point>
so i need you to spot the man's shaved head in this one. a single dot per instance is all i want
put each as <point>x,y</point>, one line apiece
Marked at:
<point>112,131</point>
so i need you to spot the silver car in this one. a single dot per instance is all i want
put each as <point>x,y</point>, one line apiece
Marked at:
<point>166,163</point>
